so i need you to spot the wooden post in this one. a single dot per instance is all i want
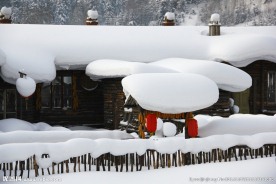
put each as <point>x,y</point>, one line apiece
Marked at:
<point>35,166</point>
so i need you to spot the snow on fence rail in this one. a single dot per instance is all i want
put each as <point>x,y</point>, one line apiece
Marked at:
<point>130,155</point>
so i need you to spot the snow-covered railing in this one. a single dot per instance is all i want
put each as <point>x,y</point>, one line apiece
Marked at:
<point>78,155</point>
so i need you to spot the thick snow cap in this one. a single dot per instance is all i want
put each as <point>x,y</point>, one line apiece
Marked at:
<point>171,92</point>
<point>170,16</point>
<point>6,12</point>
<point>215,17</point>
<point>227,77</point>
<point>107,68</point>
<point>25,86</point>
<point>93,14</point>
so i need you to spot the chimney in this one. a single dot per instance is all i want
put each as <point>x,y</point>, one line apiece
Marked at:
<point>5,15</point>
<point>169,19</point>
<point>92,18</point>
<point>214,25</point>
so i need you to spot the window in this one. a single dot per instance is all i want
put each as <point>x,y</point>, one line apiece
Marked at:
<point>271,87</point>
<point>8,103</point>
<point>57,94</point>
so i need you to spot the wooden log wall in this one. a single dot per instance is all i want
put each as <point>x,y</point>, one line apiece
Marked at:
<point>89,111</point>
<point>114,100</point>
<point>258,92</point>
<point>133,162</point>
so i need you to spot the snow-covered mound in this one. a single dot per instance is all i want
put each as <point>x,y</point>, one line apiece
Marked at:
<point>171,92</point>
<point>81,146</point>
<point>9,125</point>
<point>238,124</point>
<point>227,77</point>
<point>39,49</point>
<point>115,68</point>
<point>58,135</point>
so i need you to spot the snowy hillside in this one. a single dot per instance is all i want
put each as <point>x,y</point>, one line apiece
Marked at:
<point>143,12</point>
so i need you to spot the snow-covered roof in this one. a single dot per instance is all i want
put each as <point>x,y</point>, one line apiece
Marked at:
<point>41,49</point>
<point>171,92</point>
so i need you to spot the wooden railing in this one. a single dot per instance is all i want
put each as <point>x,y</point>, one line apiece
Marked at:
<point>133,162</point>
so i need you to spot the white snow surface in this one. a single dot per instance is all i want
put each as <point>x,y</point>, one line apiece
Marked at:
<point>237,124</point>
<point>41,49</point>
<point>80,146</point>
<point>194,174</point>
<point>25,86</point>
<point>108,68</point>
<point>171,92</point>
<point>227,77</point>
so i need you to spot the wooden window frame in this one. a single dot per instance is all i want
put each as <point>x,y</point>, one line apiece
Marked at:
<point>62,95</point>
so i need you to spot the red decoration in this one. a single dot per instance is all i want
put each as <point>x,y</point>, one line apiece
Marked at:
<point>151,123</point>
<point>192,127</point>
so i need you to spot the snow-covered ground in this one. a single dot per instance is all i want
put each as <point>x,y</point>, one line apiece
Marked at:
<point>257,171</point>
<point>261,170</point>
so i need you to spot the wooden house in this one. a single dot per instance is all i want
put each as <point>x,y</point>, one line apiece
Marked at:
<point>70,97</point>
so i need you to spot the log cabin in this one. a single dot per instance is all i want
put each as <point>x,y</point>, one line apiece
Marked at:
<point>66,96</point>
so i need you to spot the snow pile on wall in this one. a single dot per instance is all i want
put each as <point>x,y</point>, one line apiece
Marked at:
<point>227,77</point>
<point>171,92</point>
<point>52,136</point>
<point>238,124</point>
<point>9,125</point>
<point>39,49</point>
<point>78,147</point>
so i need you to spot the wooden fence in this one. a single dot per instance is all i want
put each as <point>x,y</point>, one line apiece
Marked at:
<point>134,162</point>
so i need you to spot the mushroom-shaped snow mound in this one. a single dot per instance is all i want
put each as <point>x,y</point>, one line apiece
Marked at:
<point>171,92</point>
<point>227,77</point>
<point>108,68</point>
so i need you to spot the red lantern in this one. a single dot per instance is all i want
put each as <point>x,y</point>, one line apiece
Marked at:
<point>192,127</point>
<point>151,123</point>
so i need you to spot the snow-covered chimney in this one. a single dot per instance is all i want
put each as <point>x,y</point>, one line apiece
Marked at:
<point>214,25</point>
<point>92,17</point>
<point>169,19</point>
<point>5,15</point>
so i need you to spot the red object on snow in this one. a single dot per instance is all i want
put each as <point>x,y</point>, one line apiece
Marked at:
<point>192,127</point>
<point>151,123</point>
